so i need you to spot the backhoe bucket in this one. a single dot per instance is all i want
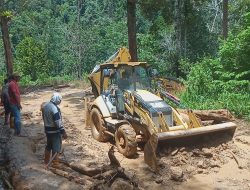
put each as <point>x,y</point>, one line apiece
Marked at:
<point>229,126</point>
<point>149,152</point>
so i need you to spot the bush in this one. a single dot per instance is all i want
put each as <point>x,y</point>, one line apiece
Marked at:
<point>31,58</point>
<point>234,55</point>
<point>45,80</point>
<point>207,89</point>
<point>223,82</point>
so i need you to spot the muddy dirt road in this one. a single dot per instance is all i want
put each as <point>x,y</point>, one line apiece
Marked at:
<point>214,163</point>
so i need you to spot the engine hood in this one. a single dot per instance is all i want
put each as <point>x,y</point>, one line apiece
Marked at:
<point>152,102</point>
<point>147,96</point>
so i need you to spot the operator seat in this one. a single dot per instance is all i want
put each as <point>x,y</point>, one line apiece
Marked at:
<point>123,82</point>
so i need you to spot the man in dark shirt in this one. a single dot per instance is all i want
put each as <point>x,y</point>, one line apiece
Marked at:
<point>5,101</point>
<point>15,102</point>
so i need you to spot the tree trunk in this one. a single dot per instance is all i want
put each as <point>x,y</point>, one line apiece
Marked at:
<point>79,66</point>
<point>1,5</point>
<point>131,16</point>
<point>185,17</point>
<point>225,19</point>
<point>178,35</point>
<point>7,46</point>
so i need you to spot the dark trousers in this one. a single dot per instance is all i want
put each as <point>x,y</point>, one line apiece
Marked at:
<point>7,111</point>
<point>54,142</point>
<point>15,111</point>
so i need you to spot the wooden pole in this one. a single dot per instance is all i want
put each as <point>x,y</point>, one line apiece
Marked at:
<point>131,22</point>
<point>225,19</point>
<point>7,46</point>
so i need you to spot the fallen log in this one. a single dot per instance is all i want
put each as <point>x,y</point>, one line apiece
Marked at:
<point>107,175</point>
<point>110,176</point>
<point>103,176</point>
<point>90,171</point>
<point>215,115</point>
<point>70,177</point>
<point>86,170</point>
<point>112,158</point>
<point>62,86</point>
<point>62,173</point>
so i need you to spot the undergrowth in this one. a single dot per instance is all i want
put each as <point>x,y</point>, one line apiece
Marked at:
<point>236,103</point>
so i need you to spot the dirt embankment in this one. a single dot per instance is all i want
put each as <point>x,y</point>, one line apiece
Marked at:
<point>213,163</point>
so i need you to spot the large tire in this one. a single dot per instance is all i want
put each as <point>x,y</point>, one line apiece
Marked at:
<point>98,126</point>
<point>125,140</point>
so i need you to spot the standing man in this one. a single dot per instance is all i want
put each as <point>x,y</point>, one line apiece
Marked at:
<point>5,101</point>
<point>15,102</point>
<point>54,129</point>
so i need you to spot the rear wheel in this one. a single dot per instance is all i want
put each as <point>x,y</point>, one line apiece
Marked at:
<point>98,126</point>
<point>125,140</point>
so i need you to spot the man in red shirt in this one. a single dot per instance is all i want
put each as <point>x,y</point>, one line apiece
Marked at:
<point>15,102</point>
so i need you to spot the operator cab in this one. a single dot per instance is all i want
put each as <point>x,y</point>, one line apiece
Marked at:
<point>130,78</point>
<point>121,81</point>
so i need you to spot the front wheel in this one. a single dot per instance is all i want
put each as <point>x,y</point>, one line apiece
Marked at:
<point>125,140</point>
<point>98,126</point>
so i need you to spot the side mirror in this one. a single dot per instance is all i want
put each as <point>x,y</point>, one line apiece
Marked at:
<point>154,73</point>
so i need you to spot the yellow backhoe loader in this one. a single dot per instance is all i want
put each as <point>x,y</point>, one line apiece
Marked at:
<point>126,108</point>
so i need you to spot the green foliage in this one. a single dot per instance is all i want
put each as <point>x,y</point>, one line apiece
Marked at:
<point>58,80</point>
<point>185,66</point>
<point>237,103</point>
<point>77,37</point>
<point>247,19</point>
<point>146,48</point>
<point>85,77</point>
<point>235,56</point>
<point>222,82</point>
<point>45,80</point>
<point>239,15</point>
<point>31,58</point>
<point>181,31</point>
<point>26,81</point>
<point>7,14</point>
<point>200,78</point>
<point>2,59</point>
<point>2,77</point>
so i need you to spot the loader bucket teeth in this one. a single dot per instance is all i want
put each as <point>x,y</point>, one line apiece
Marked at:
<point>150,152</point>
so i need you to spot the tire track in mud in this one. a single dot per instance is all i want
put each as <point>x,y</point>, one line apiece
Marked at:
<point>81,147</point>
<point>80,143</point>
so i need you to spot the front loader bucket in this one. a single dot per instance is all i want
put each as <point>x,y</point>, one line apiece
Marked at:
<point>197,131</point>
<point>149,152</point>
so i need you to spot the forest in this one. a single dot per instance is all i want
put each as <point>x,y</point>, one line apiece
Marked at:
<point>205,44</point>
